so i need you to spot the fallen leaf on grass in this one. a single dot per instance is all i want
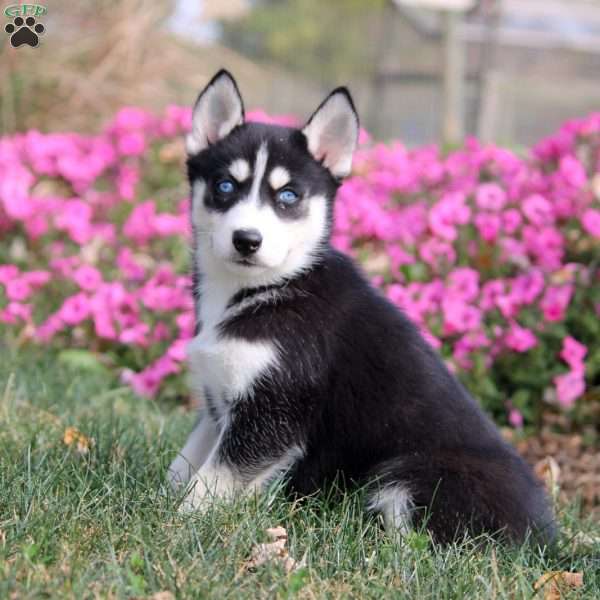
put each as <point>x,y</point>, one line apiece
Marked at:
<point>555,583</point>
<point>73,437</point>
<point>273,552</point>
<point>162,596</point>
<point>548,472</point>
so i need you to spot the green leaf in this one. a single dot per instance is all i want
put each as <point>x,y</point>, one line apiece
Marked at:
<point>30,552</point>
<point>83,360</point>
<point>297,580</point>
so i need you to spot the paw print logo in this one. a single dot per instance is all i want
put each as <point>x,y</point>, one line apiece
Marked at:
<point>24,31</point>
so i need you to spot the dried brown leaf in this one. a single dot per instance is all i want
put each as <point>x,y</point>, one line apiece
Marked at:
<point>274,552</point>
<point>276,533</point>
<point>548,472</point>
<point>556,583</point>
<point>166,595</point>
<point>73,437</point>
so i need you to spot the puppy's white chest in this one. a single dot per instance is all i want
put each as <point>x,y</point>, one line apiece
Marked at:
<point>227,368</point>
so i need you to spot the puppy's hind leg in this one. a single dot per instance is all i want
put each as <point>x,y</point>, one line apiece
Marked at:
<point>195,452</point>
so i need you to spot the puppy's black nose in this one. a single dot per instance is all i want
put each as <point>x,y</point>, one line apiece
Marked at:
<point>247,241</point>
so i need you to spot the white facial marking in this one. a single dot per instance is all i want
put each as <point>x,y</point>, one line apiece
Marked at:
<point>198,211</point>
<point>279,177</point>
<point>240,169</point>
<point>394,502</point>
<point>259,171</point>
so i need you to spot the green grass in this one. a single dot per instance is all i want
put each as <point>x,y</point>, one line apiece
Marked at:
<point>101,525</point>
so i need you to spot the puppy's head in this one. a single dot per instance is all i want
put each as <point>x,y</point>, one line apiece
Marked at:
<point>262,195</point>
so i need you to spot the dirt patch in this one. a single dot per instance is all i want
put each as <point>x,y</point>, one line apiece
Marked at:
<point>578,463</point>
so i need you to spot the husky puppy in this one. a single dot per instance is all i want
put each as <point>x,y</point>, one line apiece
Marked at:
<point>307,372</point>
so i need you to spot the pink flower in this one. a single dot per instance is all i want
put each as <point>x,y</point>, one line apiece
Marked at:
<point>490,196</point>
<point>177,350</point>
<point>399,257</point>
<point>87,278</point>
<point>430,338</point>
<point>435,252</point>
<point>75,309</point>
<point>262,117</point>
<point>50,328</point>
<point>136,335</point>
<point>144,384</point>
<point>519,338</point>
<point>14,192</point>
<point>511,220</point>
<point>459,317</point>
<point>75,218</point>
<point>7,273</point>
<point>161,332</point>
<point>450,211</point>
<point>36,226</point>
<point>527,287</point>
<point>37,279</point>
<point>14,312</point>
<point>591,222</point>
<point>140,224</point>
<point>186,323</point>
<point>555,302</point>
<point>515,418</point>
<point>131,118</point>
<point>131,143</point>
<point>127,181</point>
<point>573,172</point>
<point>488,226</point>
<point>490,292</point>
<point>573,354</point>
<point>508,305</point>
<point>18,289</point>
<point>471,341</point>
<point>538,210</point>
<point>569,387</point>
<point>513,251</point>
<point>129,266</point>
<point>464,282</point>
<point>104,326</point>
<point>148,381</point>
<point>545,244</point>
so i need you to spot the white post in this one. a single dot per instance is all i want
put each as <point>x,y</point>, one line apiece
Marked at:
<point>453,80</point>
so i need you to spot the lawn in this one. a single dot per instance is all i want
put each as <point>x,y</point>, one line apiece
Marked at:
<point>100,524</point>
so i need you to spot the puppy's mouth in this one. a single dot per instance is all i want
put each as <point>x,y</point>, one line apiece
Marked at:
<point>245,262</point>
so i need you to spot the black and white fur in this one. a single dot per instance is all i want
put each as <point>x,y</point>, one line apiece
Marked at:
<point>306,371</point>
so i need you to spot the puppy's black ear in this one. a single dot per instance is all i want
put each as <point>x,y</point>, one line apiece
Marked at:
<point>332,132</point>
<point>217,111</point>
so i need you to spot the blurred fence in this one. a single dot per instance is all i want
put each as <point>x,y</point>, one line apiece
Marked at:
<point>529,64</point>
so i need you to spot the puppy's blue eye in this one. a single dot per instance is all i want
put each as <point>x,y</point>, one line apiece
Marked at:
<point>226,186</point>
<point>287,196</point>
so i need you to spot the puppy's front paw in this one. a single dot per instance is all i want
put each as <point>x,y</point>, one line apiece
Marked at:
<point>190,504</point>
<point>206,486</point>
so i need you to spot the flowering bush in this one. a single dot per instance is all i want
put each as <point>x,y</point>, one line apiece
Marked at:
<point>495,256</point>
